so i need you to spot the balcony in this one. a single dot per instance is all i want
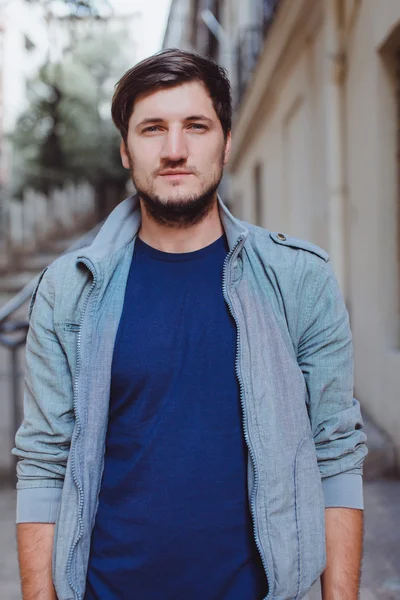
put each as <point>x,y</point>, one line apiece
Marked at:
<point>249,47</point>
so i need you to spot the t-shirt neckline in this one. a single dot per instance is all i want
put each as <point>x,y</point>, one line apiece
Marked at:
<point>156,254</point>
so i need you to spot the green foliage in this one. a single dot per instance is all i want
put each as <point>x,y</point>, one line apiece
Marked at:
<point>67,133</point>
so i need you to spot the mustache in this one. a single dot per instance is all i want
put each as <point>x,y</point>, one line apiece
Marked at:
<point>174,166</point>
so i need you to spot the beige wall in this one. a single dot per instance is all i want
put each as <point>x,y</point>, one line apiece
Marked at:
<point>373,196</point>
<point>284,124</point>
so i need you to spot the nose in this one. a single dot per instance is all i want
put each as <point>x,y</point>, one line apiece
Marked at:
<point>175,147</point>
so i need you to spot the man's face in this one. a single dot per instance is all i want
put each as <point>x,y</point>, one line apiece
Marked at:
<point>176,151</point>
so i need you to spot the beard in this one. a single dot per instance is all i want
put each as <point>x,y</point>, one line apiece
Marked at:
<point>178,212</point>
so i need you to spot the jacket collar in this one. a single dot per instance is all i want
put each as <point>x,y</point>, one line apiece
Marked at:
<point>121,227</point>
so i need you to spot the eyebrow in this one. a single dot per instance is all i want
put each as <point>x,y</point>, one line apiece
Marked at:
<point>160,120</point>
<point>150,120</point>
<point>198,118</point>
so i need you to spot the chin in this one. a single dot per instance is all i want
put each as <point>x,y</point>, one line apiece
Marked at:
<point>180,192</point>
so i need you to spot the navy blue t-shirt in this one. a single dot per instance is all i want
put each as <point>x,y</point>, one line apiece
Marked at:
<point>173,520</point>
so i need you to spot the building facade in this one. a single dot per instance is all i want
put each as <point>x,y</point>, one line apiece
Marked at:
<point>316,148</point>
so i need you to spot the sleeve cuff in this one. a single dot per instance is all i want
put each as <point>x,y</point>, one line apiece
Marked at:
<point>38,505</point>
<point>343,490</point>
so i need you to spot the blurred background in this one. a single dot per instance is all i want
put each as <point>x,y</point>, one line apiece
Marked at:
<point>316,154</point>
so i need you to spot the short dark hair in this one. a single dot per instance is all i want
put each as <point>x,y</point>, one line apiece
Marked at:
<point>170,68</point>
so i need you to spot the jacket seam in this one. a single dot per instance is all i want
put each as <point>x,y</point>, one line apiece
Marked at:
<point>55,483</point>
<point>298,528</point>
<point>312,297</point>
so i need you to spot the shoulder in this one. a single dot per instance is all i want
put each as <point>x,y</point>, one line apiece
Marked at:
<point>281,244</point>
<point>60,281</point>
<point>61,272</point>
<point>298,244</point>
<point>299,271</point>
<point>298,267</point>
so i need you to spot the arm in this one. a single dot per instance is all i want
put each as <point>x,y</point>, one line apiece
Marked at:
<point>325,355</point>
<point>344,534</point>
<point>42,442</point>
<point>35,544</point>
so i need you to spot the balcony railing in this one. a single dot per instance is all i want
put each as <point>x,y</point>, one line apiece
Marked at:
<point>249,47</point>
<point>250,44</point>
<point>269,10</point>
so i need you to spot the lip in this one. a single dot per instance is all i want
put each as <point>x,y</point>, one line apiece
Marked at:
<point>175,174</point>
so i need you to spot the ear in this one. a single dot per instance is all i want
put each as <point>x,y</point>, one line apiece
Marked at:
<point>124,155</point>
<point>228,145</point>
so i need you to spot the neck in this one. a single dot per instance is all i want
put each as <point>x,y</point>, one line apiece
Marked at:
<point>179,240</point>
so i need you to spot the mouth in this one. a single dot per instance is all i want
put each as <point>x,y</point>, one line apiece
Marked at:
<point>175,175</point>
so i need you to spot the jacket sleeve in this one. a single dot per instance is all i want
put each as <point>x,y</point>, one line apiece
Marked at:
<point>325,356</point>
<point>42,442</point>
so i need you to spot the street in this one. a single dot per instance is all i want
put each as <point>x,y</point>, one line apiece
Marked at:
<point>381,566</point>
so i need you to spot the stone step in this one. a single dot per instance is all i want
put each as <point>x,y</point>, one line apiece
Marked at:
<point>61,245</point>
<point>14,282</point>
<point>35,263</point>
<point>3,261</point>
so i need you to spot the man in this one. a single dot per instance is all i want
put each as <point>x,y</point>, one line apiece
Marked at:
<point>189,421</point>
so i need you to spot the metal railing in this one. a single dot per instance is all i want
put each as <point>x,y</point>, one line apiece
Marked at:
<point>249,46</point>
<point>269,10</point>
<point>13,332</point>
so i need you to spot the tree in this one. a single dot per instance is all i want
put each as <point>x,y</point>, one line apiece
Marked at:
<point>67,133</point>
<point>74,9</point>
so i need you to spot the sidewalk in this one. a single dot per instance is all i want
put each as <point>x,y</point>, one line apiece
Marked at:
<point>381,568</point>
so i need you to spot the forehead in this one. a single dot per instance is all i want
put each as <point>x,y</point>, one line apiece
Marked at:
<point>174,103</point>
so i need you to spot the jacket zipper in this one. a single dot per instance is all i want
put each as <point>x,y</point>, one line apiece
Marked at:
<point>89,265</point>
<point>244,415</point>
<point>242,403</point>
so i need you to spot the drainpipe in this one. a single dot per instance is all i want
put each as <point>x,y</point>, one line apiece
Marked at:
<point>335,138</point>
<point>213,25</point>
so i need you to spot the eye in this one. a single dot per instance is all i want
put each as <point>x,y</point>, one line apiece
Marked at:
<point>198,126</point>
<point>151,129</point>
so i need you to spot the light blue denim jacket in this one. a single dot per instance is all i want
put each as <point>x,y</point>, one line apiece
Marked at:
<point>294,363</point>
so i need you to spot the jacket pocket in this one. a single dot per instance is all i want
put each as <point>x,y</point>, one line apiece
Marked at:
<point>310,515</point>
<point>70,327</point>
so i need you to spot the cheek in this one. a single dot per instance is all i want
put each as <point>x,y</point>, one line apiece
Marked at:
<point>205,153</point>
<point>212,161</point>
<point>213,150</point>
<point>145,149</point>
<point>143,158</point>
